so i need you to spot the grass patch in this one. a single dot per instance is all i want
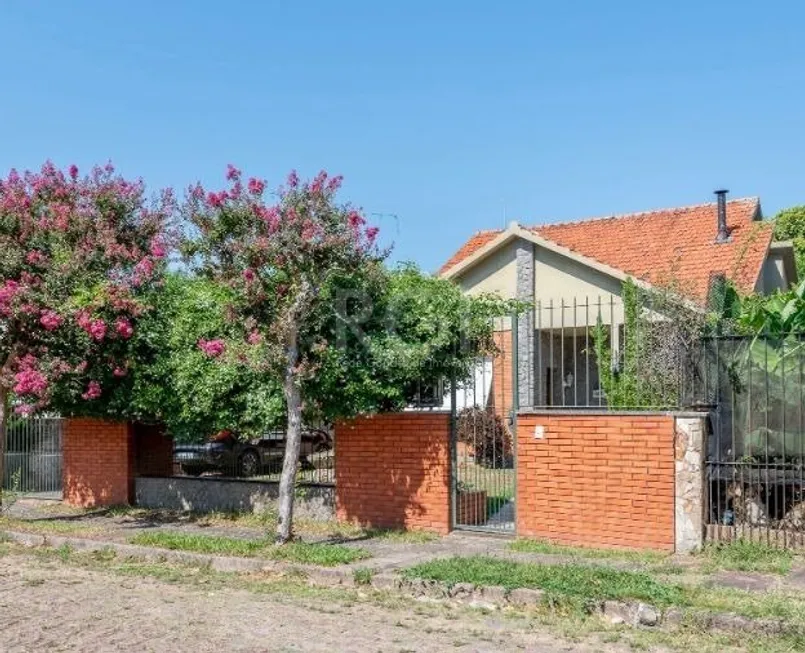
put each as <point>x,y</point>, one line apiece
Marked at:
<point>398,536</point>
<point>362,576</point>
<point>323,554</point>
<point>49,526</point>
<point>524,545</point>
<point>580,581</point>
<point>743,555</point>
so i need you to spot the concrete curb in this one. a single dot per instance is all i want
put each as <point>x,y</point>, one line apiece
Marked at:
<point>635,614</point>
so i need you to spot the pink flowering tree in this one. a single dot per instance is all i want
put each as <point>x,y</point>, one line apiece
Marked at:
<point>282,259</point>
<point>79,256</point>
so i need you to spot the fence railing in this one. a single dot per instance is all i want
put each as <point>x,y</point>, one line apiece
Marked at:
<point>756,452</point>
<point>33,458</point>
<point>605,352</point>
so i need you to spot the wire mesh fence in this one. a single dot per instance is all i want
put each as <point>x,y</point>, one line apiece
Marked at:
<point>33,458</point>
<point>227,455</point>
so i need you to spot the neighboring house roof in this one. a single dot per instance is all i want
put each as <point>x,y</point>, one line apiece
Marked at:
<point>664,246</point>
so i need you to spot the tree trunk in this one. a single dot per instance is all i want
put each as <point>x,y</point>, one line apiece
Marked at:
<point>293,440</point>
<point>3,420</point>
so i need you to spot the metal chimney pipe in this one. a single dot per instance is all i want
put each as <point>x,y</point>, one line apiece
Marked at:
<point>723,234</point>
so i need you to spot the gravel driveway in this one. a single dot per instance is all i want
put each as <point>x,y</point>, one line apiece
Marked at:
<point>46,605</point>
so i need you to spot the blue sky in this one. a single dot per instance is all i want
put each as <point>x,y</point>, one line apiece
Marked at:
<point>453,116</point>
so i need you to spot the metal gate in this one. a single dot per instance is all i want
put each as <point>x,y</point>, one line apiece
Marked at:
<point>484,439</point>
<point>33,460</point>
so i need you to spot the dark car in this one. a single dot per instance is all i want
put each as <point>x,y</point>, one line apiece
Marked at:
<point>227,453</point>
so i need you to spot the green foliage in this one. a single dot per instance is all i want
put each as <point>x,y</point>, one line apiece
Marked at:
<point>583,581</point>
<point>405,328</point>
<point>744,555</point>
<point>170,379</point>
<point>526,545</point>
<point>789,224</point>
<point>323,554</point>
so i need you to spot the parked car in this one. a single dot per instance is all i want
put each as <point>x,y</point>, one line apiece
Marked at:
<point>228,453</point>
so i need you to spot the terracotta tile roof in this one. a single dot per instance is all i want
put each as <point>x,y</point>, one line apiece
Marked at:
<point>663,246</point>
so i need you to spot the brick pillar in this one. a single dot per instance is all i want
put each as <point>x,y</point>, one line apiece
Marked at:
<point>393,471</point>
<point>689,493</point>
<point>98,462</point>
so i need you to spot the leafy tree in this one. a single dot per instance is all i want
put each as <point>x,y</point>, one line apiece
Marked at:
<point>789,224</point>
<point>278,260</point>
<point>314,309</point>
<point>79,257</point>
<point>173,382</point>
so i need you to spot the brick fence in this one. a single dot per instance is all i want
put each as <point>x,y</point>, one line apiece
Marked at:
<point>102,458</point>
<point>393,471</point>
<point>598,479</point>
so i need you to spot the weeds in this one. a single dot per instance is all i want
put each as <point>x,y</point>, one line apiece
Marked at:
<point>524,545</point>
<point>743,555</point>
<point>323,554</point>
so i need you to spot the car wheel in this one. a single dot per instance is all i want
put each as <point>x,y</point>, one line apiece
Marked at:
<point>249,464</point>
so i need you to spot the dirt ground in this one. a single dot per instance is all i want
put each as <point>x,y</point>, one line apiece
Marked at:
<point>48,605</point>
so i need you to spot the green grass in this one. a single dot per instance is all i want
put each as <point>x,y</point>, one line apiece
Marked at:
<point>743,555</point>
<point>362,576</point>
<point>323,554</point>
<point>398,536</point>
<point>579,581</point>
<point>524,545</point>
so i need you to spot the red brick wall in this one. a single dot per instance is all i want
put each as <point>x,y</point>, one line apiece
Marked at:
<point>502,381</point>
<point>98,463</point>
<point>393,471</point>
<point>153,451</point>
<point>597,480</point>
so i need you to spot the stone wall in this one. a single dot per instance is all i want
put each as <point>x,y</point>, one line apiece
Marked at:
<point>225,495</point>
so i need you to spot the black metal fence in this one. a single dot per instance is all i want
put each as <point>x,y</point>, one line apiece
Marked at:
<point>756,451</point>
<point>33,458</point>
<point>608,352</point>
<point>484,441</point>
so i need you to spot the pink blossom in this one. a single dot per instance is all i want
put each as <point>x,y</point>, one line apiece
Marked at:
<point>97,329</point>
<point>256,186</point>
<point>73,172</point>
<point>355,219</point>
<point>83,319</point>
<point>124,328</point>
<point>81,367</point>
<point>293,179</point>
<point>30,381</point>
<point>120,372</point>
<point>335,183</point>
<point>371,234</point>
<point>8,291</point>
<point>93,391</point>
<point>24,409</point>
<point>213,348</point>
<point>143,271</point>
<point>232,173</point>
<point>318,182</point>
<point>35,257</point>
<point>254,337</point>
<point>157,248</point>
<point>216,200</point>
<point>309,231</point>
<point>50,320</point>
<point>248,275</point>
